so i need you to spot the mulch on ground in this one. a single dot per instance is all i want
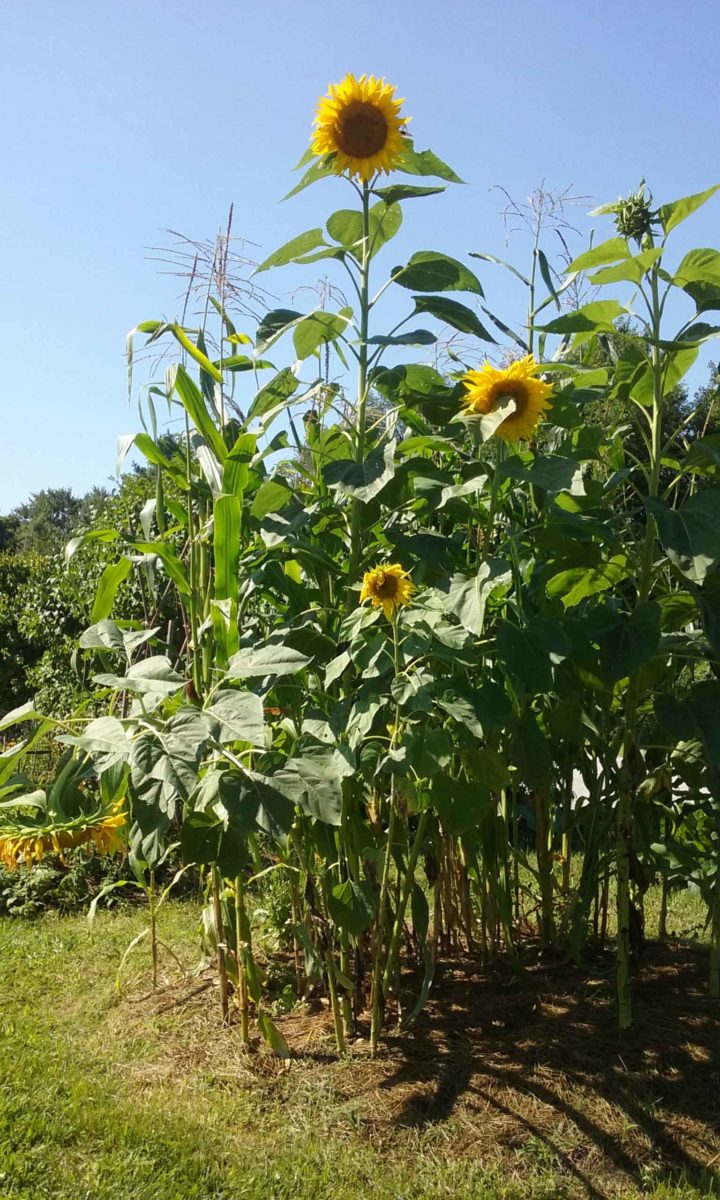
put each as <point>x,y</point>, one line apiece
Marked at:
<point>514,1068</point>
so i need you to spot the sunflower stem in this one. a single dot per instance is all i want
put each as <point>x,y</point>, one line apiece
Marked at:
<point>360,414</point>
<point>628,773</point>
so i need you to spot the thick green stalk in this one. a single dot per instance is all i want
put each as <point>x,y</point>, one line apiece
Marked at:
<point>628,780</point>
<point>334,1004</point>
<point>362,396</point>
<point>220,941</point>
<point>409,879</point>
<point>152,904</point>
<point>196,666</point>
<point>543,845</point>
<point>240,952</point>
<point>380,928</point>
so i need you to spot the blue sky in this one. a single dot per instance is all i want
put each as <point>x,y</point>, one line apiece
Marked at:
<point>123,119</point>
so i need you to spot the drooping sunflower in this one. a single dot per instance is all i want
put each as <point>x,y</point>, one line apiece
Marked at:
<point>32,843</point>
<point>359,122</point>
<point>491,386</point>
<point>387,588</point>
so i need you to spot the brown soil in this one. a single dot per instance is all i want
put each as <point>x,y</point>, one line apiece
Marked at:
<point>519,1069</point>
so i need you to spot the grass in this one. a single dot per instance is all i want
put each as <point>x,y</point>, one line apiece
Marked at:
<point>148,1097</point>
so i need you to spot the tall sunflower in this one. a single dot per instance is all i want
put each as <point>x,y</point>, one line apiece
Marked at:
<point>387,588</point>
<point>490,386</point>
<point>359,122</point>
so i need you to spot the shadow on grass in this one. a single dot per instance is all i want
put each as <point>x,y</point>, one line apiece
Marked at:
<point>534,1063</point>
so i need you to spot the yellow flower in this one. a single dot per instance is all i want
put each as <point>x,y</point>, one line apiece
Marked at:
<point>387,588</point>
<point>359,122</point>
<point>489,387</point>
<point>33,844</point>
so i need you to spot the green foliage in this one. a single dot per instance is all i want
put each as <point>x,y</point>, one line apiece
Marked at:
<point>562,619</point>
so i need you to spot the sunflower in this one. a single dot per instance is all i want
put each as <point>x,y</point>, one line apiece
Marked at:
<point>387,588</point>
<point>359,122</point>
<point>33,843</point>
<point>489,387</point>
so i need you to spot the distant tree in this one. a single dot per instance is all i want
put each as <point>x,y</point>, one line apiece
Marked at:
<point>8,533</point>
<point>46,520</point>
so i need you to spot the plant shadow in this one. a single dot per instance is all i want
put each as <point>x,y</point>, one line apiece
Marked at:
<point>533,1063</point>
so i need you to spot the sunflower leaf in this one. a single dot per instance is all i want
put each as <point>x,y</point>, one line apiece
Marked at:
<point>429,271</point>
<point>453,313</point>
<point>424,162</point>
<point>363,481</point>
<point>293,250</point>
<point>405,191</point>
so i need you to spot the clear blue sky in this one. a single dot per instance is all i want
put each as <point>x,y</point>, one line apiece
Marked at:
<point>122,118</point>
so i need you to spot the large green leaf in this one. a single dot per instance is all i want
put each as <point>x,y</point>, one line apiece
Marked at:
<point>607,252</point>
<point>240,716</point>
<point>630,642</point>
<point>453,313</point>
<point>690,534</point>
<point>679,210</point>
<point>253,801</point>
<point>314,781</point>
<point>414,337</point>
<point>405,191</point>
<point>294,251</point>
<point>346,227</point>
<point>273,325</point>
<point>227,528</point>
<point>597,316</point>
<point>352,906</point>
<point>481,710</point>
<point>194,404</point>
<point>529,652</point>
<point>275,394</point>
<point>200,837</point>
<point>461,806</point>
<point>170,561</point>
<point>577,583</point>
<point>430,271</point>
<point>105,740</point>
<point>531,751</point>
<point>271,497</point>
<point>320,168</point>
<point>107,589</point>
<point>467,598</point>
<point>553,473</point>
<point>164,763</point>
<point>363,480</point>
<point>318,329</point>
<point>630,270</point>
<point>153,674</point>
<point>424,162</point>
<point>699,266</point>
<point>267,660</point>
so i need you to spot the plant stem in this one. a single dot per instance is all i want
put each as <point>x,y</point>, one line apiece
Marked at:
<point>362,396</point>
<point>404,897</point>
<point>334,1004</point>
<point>153,929</point>
<point>628,781</point>
<point>219,941</point>
<point>240,951</point>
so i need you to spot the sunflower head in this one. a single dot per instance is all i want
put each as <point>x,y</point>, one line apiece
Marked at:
<point>32,843</point>
<point>359,122</point>
<point>387,588</point>
<point>490,387</point>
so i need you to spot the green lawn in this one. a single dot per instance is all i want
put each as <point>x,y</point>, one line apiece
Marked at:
<point>145,1098</point>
